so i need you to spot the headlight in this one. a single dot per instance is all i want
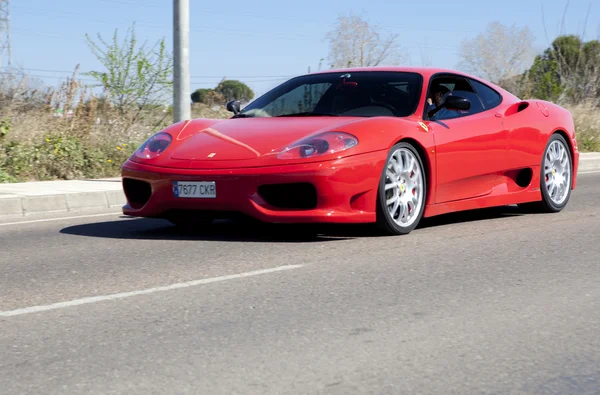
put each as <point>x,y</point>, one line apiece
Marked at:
<point>154,146</point>
<point>321,144</point>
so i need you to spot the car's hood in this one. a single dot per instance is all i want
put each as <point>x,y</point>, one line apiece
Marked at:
<point>247,138</point>
<point>241,142</point>
<point>248,142</point>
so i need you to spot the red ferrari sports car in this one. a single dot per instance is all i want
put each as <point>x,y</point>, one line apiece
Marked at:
<point>362,145</point>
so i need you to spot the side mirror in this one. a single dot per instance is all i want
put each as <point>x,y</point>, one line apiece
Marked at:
<point>234,106</point>
<point>457,103</point>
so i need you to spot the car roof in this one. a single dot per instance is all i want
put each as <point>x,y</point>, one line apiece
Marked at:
<point>426,72</point>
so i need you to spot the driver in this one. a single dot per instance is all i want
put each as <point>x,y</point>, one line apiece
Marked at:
<point>438,95</point>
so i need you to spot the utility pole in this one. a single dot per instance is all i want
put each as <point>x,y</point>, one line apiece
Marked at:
<point>5,34</point>
<point>181,60</point>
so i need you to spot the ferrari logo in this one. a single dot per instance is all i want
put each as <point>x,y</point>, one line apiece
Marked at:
<point>211,154</point>
<point>424,126</point>
<point>553,172</point>
<point>402,187</point>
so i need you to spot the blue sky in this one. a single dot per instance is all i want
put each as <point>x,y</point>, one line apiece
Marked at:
<point>265,41</point>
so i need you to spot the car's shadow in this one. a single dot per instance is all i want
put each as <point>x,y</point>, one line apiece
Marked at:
<point>484,214</point>
<point>231,231</point>
<point>252,231</point>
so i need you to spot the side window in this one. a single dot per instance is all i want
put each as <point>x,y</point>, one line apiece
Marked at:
<point>445,85</point>
<point>489,97</point>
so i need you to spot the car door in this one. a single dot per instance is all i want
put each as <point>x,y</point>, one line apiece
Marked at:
<point>470,145</point>
<point>526,123</point>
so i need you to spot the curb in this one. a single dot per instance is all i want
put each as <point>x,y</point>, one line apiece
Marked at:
<point>589,162</point>
<point>23,199</point>
<point>22,206</point>
<point>44,197</point>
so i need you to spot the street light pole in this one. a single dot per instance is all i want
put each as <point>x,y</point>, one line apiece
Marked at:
<point>181,60</point>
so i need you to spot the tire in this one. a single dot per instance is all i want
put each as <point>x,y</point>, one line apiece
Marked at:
<point>552,200</point>
<point>411,192</point>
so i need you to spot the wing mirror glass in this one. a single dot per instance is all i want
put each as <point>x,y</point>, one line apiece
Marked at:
<point>234,106</point>
<point>457,103</point>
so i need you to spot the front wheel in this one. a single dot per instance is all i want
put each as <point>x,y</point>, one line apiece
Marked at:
<point>402,191</point>
<point>556,178</point>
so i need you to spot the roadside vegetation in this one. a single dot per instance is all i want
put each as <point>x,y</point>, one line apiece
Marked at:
<point>90,123</point>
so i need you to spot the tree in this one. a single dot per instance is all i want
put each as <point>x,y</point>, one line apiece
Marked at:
<point>135,77</point>
<point>355,43</point>
<point>591,69</point>
<point>224,91</point>
<point>542,79</point>
<point>207,96</point>
<point>233,89</point>
<point>499,53</point>
<point>201,95</point>
<point>567,71</point>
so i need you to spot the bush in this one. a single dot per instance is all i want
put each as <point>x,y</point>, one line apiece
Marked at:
<point>233,89</point>
<point>201,96</point>
<point>226,90</point>
<point>72,134</point>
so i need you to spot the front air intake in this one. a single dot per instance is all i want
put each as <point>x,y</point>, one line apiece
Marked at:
<point>297,196</point>
<point>137,192</point>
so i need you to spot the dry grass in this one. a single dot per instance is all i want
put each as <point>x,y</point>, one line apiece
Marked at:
<point>91,139</point>
<point>587,126</point>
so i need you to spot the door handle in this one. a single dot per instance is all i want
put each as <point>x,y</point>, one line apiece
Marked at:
<point>499,115</point>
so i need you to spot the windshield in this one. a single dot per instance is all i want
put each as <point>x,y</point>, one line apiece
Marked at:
<point>357,94</point>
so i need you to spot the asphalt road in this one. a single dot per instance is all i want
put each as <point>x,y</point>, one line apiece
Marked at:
<point>490,301</point>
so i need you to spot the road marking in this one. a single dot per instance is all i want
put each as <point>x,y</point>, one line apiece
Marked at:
<point>122,295</point>
<point>59,219</point>
<point>589,172</point>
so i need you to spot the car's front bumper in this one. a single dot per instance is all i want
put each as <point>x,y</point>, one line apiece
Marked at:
<point>345,189</point>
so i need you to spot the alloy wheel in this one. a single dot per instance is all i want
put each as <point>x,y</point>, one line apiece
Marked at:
<point>403,187</point>
<point>557,172</point>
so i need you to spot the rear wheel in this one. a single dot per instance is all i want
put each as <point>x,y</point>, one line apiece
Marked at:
<point>402,191</point>
<point>555,177</point>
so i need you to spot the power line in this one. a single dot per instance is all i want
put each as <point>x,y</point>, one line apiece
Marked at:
<point>194,79</point>
<point>149,25</point>
<point>263,77</point>
<point>44,76</point>
<point>290,37</point>
<point>60,35</point>
<point>97,83</point>
<point>293,19</point>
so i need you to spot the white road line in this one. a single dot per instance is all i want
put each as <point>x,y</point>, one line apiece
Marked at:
<point>122,295</point>
<point>588,172</point>
<point>60,219</point>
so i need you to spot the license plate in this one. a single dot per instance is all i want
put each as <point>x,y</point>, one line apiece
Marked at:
<point>195,189</point>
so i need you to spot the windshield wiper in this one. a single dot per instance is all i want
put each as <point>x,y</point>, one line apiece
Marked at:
<point>309,114</point>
